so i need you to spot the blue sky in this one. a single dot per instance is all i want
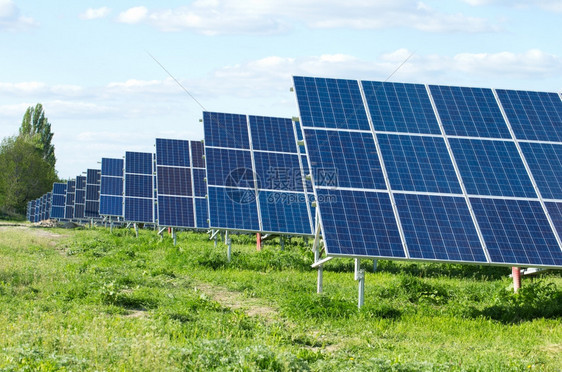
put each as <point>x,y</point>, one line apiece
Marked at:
<point>87,62</point>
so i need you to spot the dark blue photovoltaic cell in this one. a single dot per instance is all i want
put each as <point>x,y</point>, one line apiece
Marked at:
<point>79,210</point>
<point>197,152</point>
<point>345,159</point>
<point>491,168</point>
<point>80,182</point>
<point>284,211</point>
<point>229,167</point>
<point>439,228</point>
<point>175,211</point>
<point>57,212</point>
<point>111,186</point>
<point>70,186</point>
<point>278,171</point>
<point>172,152</point>
<point>174,181</point>
<point>58,200</point>
<point>80,197</point>
<point>226,130</point>
<point>330,103</point>
<point>69,199</point>
<point>138,186</point>
<point>92,192</point>
<point>201,213</point>
<point>359,223</point>
<point>470,112</point>
<point>396,107</point>
<point>233,209</point>
<point>272,134</point>
<point>111,205</point>
<point>138,162</point>
<point>69,212</point>
<point>415,163</point>
<point>92,209</point>
<point>59,188</point>
<point>517,232</point>
<point>199,185</point>
<point>112,167</point>
<point>545,162</point>
<point>93,176</point>
<point>139,210</point>
<point>533,115</point>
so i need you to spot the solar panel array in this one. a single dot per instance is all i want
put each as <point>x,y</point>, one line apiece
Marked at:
<point>180,175</point>
<point>254,175</point>
<point>437,173</point>
<point>111,191</point>
<point>139,187</point>
<point>93,179</point>
<point>69,204</point>
<point>59,200</point>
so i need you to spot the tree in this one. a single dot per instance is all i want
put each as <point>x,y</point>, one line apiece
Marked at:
<point>24,174</point>
<point>35,128</point>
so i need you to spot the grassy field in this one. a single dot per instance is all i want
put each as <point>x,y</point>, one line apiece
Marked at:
<point>90,300</point>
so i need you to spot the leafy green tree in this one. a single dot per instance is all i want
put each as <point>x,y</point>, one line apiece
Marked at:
<point>24,174</point>
<point>35,127</point>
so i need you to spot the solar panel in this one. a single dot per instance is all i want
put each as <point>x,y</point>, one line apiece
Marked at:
<point>139,187</point>
<point>80,197</point>
<point>58,200</point>
<point>28,210</point>
<point>69,204</point>
<point>111,187</point>
<point>255,175</point>
<point>92,208</point>
<point>435,173</point>
<point>180,171</point>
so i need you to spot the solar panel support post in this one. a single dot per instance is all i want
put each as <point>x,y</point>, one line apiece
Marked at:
<point>174,236</point>
<point>375,264</point>
<point>316,250</point>
<point>516,272</point>
<point>360,277</point>
<point>228,242</point>
<point>136,230</point>
<point>258,242</point>
<point>282,243</point>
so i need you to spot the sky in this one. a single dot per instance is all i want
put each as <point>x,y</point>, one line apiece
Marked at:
<point>99,67</point>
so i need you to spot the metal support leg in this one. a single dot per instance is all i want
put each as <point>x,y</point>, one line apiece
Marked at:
<point>174,236</point>
<point>229,249</point>
<point>282,243</point>
<point>516,273</point>
<point>136,230</point>
<point>375,264</point>
<point>111,227</point>
<point>360,277</point>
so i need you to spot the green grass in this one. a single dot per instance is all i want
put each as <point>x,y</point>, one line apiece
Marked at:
<point>91,300</point>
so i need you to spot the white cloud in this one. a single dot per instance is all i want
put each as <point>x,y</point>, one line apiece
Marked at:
<point>270,16</point>
<point>10,18</point>
<point>548,5</point>
<point>95,13</point>
<point>133,15</point>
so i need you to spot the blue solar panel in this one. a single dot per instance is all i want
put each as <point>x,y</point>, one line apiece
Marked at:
<point>272,134</point>
<point>271,158</point>
<point>359,223</point>
<point>175,211</point>
<point>229,167</point>
<point>172,152</point>
<point>533,115</point>
<point>93,179</point>
<point>345,159</point>
<point>284,211</point>
<point>233,208</point>
<point>415,163</point>
<point>517,232</point>
<point>58,200</point>
<point>331,103</point>
<point>139,187</point>
<point>491,215</point>
<point>111,187</point>
<point>470,112</point>
<point>439,228</point>
<point>199,184</point>
<point>197,154</point>
<point>112,167</point>
<point>226,130</point>
<point>545,162</point>
<point>138,162</point>
<point>80,197</point>
<point>391,112</point>
<point>278,171</point>
<point>491,168</point>
<point>69,203</point>
<point>202,212</point>
<point>174,181</point>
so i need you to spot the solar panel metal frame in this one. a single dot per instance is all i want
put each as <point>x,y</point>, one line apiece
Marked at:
<point>251,192</point>
<point>552,234</point>
<point>190,165</point>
